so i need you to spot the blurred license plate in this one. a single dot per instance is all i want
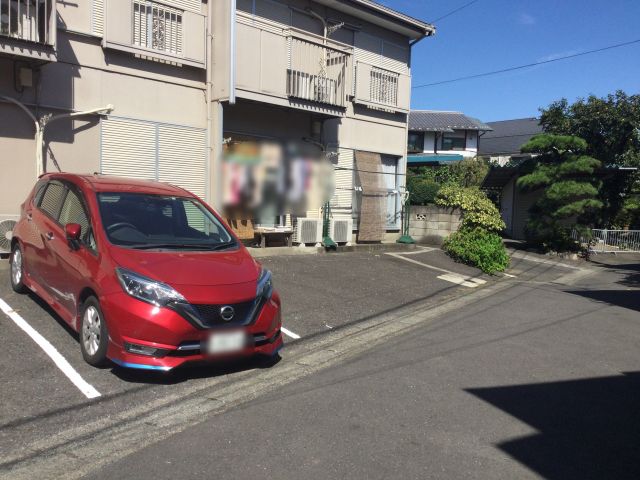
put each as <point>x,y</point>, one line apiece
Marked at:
<point>226,342</point>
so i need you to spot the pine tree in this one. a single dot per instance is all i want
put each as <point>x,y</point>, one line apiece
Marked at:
<point>564,177</point>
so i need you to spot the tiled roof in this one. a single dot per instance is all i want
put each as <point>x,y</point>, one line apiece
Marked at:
<point>508,136</point>
<point>437,121</point>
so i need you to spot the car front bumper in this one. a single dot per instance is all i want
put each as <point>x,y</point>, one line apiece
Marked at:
<point>136,325</point>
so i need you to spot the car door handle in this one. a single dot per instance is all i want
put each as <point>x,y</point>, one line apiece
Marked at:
<point>49,235</point>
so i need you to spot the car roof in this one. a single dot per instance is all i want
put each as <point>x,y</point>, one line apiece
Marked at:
<point>109,183</point>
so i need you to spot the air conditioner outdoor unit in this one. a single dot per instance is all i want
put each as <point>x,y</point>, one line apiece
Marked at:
<point>308,230</point>
<point>7,223</point>
<point>341,230</point>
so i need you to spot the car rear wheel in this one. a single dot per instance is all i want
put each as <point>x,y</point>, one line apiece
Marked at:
<point>94,337</point>
<point>17,270</point>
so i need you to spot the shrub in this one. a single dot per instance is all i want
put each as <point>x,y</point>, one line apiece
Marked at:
<point>477,247</point>
<point>423,191</point>
<point>477,209</point>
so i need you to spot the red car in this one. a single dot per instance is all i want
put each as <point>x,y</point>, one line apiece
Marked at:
<point>147,274</point>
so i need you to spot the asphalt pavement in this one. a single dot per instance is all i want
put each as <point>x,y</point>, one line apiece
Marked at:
<point>540,380</point>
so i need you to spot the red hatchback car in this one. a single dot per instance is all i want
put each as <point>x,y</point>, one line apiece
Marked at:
<point>147,274</point>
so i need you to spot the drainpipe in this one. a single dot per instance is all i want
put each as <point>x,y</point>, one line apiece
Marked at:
<point>208,95</point>
<point>46,120</point>
<point>38,131</point>
<point>40,126</point>
<point>232,55</point>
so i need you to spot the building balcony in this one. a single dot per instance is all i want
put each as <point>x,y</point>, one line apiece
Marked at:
<point>156,31</point>
<point>317,72</point>
<point>382,89</point>
<point>28,29</point>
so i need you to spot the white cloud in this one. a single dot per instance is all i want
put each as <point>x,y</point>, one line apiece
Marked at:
<point>526,19</point>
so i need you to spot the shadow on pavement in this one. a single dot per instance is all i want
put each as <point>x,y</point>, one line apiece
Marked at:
<point>620,298</point>
<point>625,265</point>
<point>587,428</point>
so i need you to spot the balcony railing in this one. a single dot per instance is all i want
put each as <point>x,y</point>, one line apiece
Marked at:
<point>317,73</point>
<point>381,88</point>
<point>157,27</point>
<point>28,20</point>
<point>384,87</point>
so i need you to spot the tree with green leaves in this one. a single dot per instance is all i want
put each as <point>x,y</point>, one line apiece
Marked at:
<point>611,128</point>
<point>563,175</point>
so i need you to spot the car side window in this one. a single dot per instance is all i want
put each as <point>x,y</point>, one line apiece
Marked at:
<point>39,192</point>
<point>73,212</point>
<point>51,201</point>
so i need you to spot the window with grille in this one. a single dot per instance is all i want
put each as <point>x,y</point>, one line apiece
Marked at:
<point>384,86</point>
<point>157,27</point>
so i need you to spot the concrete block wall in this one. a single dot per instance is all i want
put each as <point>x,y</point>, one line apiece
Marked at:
<point>432,224</point>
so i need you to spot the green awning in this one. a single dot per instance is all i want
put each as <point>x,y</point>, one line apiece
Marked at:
<point>416,158</point>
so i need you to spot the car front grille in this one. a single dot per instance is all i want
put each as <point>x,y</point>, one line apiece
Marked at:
<point>205,316</point>
<point>210,314</point>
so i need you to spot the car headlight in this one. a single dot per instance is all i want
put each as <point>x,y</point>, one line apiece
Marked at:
<point>265,285</point>
<point>147,290</point>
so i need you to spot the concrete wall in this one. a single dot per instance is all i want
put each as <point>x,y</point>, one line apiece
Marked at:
<point>432,224</point>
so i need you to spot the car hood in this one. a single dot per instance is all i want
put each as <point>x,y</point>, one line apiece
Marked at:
<point>190,268</point>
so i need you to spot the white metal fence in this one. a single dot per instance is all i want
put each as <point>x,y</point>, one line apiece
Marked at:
<point>611,241</point>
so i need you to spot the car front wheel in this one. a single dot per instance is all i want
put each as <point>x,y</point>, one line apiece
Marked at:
<point>17,270</point>
<point>94,337</point>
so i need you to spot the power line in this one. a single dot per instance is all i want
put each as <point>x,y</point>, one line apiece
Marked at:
<point>454,11</point>
<point>520,67</point>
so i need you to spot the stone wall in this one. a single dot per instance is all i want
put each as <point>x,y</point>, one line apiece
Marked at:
<point>432,224</point>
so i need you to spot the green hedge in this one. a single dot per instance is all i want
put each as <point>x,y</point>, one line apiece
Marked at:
<point>477,209</point>
<point>478,247</point>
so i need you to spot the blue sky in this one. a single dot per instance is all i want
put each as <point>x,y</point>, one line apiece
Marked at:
<point>494,34</point>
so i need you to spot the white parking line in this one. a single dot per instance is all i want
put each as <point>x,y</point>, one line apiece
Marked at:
<point>448,276</point>
<point>50,350</point>
<point>289,333</point>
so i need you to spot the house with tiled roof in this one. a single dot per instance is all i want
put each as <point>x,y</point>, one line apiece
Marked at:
<point>441,137</point>
<point>503,142</point>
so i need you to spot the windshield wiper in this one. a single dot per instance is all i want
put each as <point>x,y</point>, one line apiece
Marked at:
<point>203,246</point>
<point>222,246</point>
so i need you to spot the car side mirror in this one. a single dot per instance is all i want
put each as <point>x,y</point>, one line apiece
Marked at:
<point>73,231</point>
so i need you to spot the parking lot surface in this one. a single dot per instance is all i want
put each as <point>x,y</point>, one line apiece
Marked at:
<point>320,293</point>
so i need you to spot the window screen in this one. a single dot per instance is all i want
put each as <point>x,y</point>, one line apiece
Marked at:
<point>73,212</point>
<point>52,199</point>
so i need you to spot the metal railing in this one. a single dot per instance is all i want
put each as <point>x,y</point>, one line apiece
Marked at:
<point>611,241</point>
<point>383,86</point>
<point>157,27</point>
<point>316,72</point>
<point>28,20</point>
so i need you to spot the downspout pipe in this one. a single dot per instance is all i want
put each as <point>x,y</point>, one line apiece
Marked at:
<point>46,120</point>
<point>37,127</point>
<point>41,124</point>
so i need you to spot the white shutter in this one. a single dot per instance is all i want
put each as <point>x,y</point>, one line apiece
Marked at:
<point>192,5</point>
<point>395,58</point>
<point>182,158</point>
<point>128,148</point>
<point>97,17</point>
<point>344,180</point>
<point>368,48</point>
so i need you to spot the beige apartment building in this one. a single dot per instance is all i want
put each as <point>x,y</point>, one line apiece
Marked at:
<point>157,89</point>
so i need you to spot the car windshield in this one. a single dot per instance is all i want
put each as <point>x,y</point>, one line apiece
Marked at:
<point>145,221</point>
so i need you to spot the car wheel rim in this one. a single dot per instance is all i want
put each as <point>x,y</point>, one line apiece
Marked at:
<point>91,330</point>
<point>16,267</point>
